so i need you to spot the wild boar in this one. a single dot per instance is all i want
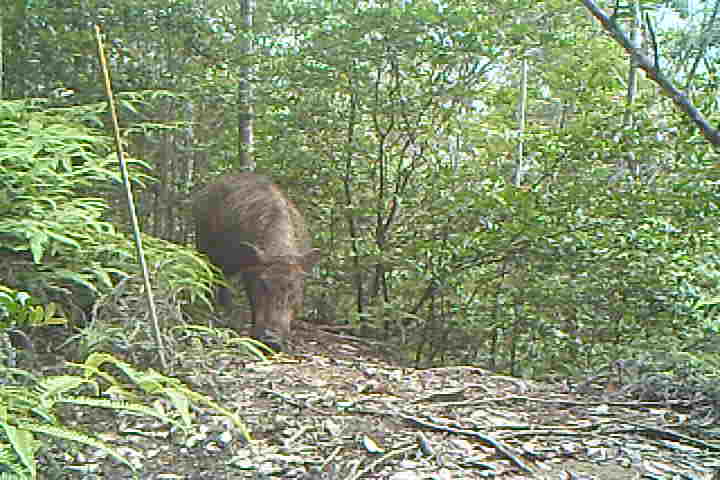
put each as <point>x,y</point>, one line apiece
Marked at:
<point>250,229</point>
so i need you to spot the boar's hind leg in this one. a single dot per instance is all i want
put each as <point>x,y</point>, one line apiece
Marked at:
<point>224,298</point>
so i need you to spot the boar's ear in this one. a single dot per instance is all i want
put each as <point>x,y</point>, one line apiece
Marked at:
<point>310,259</point>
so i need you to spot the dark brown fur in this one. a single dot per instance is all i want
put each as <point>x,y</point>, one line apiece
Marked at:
<point>249,228</point>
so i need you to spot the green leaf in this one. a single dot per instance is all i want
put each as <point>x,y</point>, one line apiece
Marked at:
<point>24,445</point>
<point>38,240</point>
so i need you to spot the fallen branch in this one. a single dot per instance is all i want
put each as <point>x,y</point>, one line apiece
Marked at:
<point>496,444</point>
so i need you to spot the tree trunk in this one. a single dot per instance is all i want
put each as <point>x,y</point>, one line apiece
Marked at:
<point>246,141</point>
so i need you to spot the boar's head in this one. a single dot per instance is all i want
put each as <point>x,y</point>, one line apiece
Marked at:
<point>275,290</point>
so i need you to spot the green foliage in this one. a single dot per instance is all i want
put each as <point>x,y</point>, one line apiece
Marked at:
<point>56,228</point>
<point>394,127</point>
<point>406,126</point>
<point>57,39</point>
<point>47,161</point>
<point>19,309</point>
<point>29,419</point>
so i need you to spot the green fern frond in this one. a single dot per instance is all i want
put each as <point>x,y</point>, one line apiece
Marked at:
<point>15,476</point>
<point>7,455</point>
<point>121,405</point>
<point>90,370</point>
<point>19,402</point>
<point>173,389</point>
<point>118,391</point>
<point>17,398</point>
<point>181,403</point>
<point>11,465</point>
<point>75,436</point>
<point>23,410</point>
<point>24,444</point>
<point>205,400</point>
<point>97,359</point>
<point>51,387</point>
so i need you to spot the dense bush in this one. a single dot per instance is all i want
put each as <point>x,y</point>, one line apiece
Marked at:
<point>55,235</point>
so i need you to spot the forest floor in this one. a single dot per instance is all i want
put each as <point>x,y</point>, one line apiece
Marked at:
<point>337,409</point>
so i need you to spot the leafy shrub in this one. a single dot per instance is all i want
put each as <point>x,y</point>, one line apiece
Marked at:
<point>29,419</point>
<point>54,231</point>
<point>18,309</point>
<point>28,404</point>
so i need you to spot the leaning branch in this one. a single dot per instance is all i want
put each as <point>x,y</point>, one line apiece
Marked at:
<point>653,71</point>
